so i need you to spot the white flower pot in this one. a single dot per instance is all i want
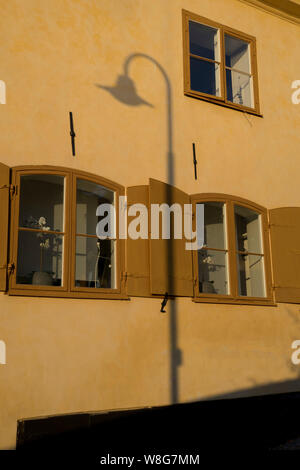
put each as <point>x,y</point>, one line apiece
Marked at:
<point>41,278</point>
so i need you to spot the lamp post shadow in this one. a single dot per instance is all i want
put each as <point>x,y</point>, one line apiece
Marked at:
<point>125,91</point>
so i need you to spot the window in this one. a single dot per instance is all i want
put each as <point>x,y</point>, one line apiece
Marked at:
<point>219,64</point>
<point>233,265</point>
<point>55,248</point>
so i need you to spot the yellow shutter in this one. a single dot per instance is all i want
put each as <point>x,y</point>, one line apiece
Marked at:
<point>137,251</point>
<point>4,208</point>
<point>285,248</point>
<point>170,263</point>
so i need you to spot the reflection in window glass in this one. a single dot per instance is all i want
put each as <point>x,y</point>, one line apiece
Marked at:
<point>204,41</point>
<point>251,275</point>
<point>40,251</point>
<point>89,196</point>
<point>248,230</point>
<point>237,54</point>
<point>95,263</point>
<point>214,225</point>
<point>239,88</point>
<point>42,197</point>
<point>205,76</point>
<point>95,259</point>
<point>213,262</point>
<point>213,272</point>
<point>39,259</point>
<point>239,82</point>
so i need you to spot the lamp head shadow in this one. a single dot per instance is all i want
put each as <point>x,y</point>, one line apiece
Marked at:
<point>125,91</point>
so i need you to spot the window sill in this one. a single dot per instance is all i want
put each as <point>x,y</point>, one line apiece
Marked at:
<point>69,295</point>
<point>225,104</point>
<point>232,301</point>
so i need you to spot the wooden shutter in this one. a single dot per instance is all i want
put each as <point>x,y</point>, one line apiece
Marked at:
<point>170,263</point>
<point>4,209</point>
<point>137,252</point>
<point>285,249</point>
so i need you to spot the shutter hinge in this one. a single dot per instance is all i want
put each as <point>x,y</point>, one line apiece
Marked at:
<point>12,189</point>
<point>124,276</point>
<point>10,267</point>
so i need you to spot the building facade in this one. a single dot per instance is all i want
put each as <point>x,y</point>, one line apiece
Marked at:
<point>186,102</point>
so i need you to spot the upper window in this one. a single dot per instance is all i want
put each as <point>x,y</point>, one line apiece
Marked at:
<point>55,247</point>
<point>234,262</point>
<point>219,64</point>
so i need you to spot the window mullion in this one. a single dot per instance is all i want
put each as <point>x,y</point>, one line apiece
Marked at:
<point>232,250</point>
<point>222,65</point>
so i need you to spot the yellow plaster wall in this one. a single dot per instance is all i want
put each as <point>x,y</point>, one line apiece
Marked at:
<point>70,355</point>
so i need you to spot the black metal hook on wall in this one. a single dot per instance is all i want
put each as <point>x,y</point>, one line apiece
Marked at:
<point>164,303</point>
<point>195,160</point>
<point>72,134</point>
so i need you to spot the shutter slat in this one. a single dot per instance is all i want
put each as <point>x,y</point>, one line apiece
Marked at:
<point>170,263</point>
<point>285,246</point>
<point>4,210</point>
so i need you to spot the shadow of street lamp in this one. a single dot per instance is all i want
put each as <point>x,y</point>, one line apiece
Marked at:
<point>125,91</point>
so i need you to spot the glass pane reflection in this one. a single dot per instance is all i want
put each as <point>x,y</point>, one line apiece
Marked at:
<point>213,272</point>
<point>41,202</point>
<point>204,41</point>
<point>237,54</point>
<point>89,196</point>
<point>205,76</point>
<point>251,275</point>
<point>40,258</point>
<point>95,263</point>
<point>239,88</point>
<point>248,230</point>
<point>214,225</point>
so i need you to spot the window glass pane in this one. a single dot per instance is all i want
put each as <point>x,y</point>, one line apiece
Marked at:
<point>214,220</point>
<point>237,54</point>
<point>248,230</point>
<point>205,76</point>
<point>40,256</point>
<point>251,275</point>
<point>89,196</point>
<point>239,88</point>
<point>95,263</point>
<point>213,272</point>
<point>42,202</point>
<point>204,41</point>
